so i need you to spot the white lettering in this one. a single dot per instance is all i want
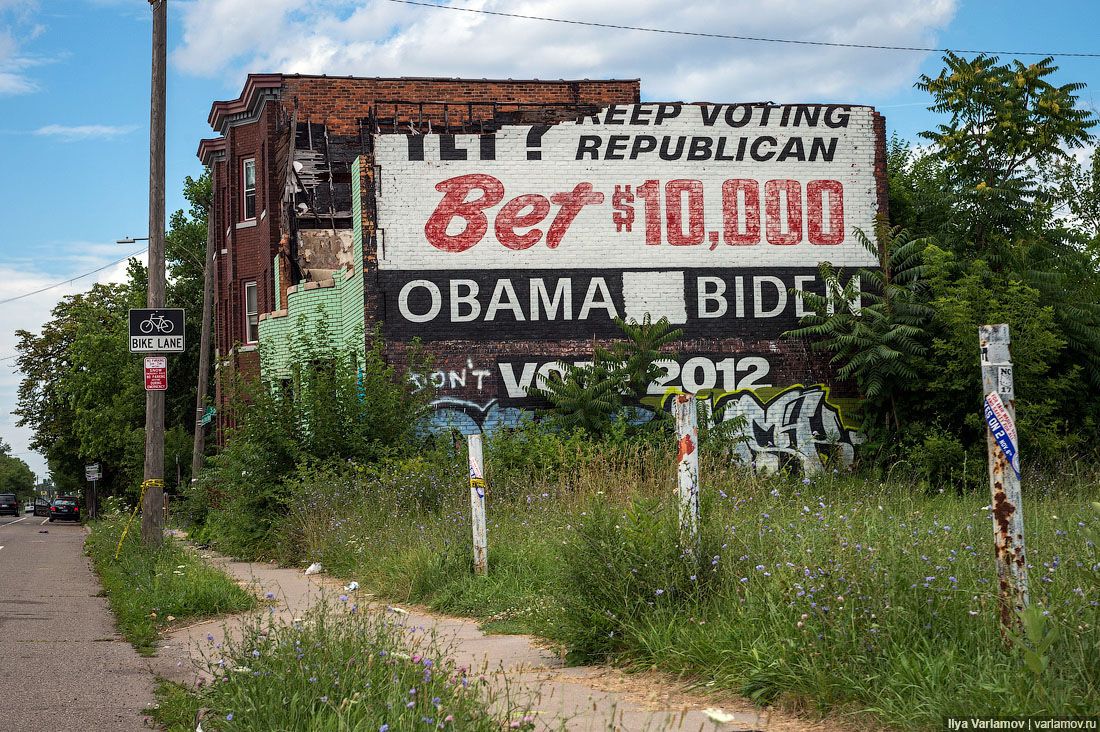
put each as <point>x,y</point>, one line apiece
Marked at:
<point>758,296</point>
<point>590,303</point>
<point>563,294</point>
<point>403,301</point>
<point>458,300</point>
<point>496,301</point>
<point>717,295</point>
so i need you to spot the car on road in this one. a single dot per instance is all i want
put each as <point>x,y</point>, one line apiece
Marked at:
<point>28,507</point>
<point>41,507</point>
<point>9,504</point>
<point>65,508</point>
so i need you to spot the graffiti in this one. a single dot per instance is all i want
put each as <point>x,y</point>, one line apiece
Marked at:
<point>452,378</point>
<point>471,418</point>
<point>797,426</point>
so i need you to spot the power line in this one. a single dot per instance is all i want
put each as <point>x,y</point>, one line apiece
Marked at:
<point>73,279</point>
<point>728,37</point>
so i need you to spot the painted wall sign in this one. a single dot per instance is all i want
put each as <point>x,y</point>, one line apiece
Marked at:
<point>496,247</point>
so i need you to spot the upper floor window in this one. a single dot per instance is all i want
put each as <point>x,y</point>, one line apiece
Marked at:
<point>248,188</point>
<point>251,313</point>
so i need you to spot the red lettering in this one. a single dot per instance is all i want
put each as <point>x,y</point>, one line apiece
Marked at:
<point>571,205</point>
<point>792,216</point>
<point>651,195</point>
<point>509,219</point>
<point>454,204</point>
<point>674,213</point>
<point>731,205</point>
<point>814,217</point>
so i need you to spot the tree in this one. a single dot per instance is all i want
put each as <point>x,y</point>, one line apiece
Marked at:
<point>875,324</point>
<point>15,475</point>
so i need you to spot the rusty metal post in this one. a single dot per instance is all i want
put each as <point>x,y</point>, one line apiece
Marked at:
<point>477,505</point>
<point>685,410</point>
<point>1003,446</point>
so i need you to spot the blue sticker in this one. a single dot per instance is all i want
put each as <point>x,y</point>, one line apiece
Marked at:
<point>1002,437</point>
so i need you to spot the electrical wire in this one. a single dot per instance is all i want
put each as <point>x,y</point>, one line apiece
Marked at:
<point>729,37</point>
<point>71,279</point>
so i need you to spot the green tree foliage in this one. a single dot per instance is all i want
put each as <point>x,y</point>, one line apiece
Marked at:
<point>998,224</point>
<point>15,475</point>
<point>875,323</point>
<point>592,397</point>
<point>82,391</point>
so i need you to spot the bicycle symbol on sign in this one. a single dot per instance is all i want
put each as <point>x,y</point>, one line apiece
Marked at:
<point>158,322</point>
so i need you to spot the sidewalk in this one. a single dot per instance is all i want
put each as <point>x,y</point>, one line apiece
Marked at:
<point>586,698</point>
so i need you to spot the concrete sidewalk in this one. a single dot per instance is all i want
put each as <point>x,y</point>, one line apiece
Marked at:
<point>584,698</point>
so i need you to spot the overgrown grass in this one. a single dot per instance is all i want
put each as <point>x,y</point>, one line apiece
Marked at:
<point>830,594</point>
<point>338,668</point>
<point>150,590</point>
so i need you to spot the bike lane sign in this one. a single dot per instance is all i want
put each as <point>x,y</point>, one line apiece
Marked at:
<point>156,330</point>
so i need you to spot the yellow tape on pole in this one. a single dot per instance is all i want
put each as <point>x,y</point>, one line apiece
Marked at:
<point>153,483</point>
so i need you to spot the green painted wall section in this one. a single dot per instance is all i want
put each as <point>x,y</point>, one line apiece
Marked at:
<point>339,307</point>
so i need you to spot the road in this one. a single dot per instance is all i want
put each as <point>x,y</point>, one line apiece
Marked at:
<point>63,665</point>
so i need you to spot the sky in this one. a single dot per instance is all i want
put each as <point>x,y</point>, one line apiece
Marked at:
<point>74,90</point>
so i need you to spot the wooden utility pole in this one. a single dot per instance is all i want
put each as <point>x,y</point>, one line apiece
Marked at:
<point>477,505</point>
<point>152,516</point>
<point>686,411</point>
<point>999,407</point>
<point>204,339</point>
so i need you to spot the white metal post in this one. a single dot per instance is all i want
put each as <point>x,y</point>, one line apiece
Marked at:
<point>1004,472</point>
<point>477,505</point>
<point>685,411</point>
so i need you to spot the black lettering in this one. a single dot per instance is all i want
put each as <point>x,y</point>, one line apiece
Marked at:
<point>720,152</point>
<point>589,144</point>
<point>817,148</point>
<point>709,116</point>
<point>488,147</point>
<point>614,115</point>
<point>765,113</point>
<point>665,154</point>
<point>640,115</point>
<point>700,148</point>
<point>643,144</point>
<point>746,115</point>
<point>616,144</point>
<point>447,149</point>
<point>741,148</point>
<point>834,119</point>
<point>672,113</point>
<point>793,149</point>
<point>755,149</point>
<point>807,114</point>
<point>416,147</point>
<point>786,116</point>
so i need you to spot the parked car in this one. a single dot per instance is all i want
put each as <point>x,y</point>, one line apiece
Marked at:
<point>65,508</point>
<point>9,504</point>
<point>41,507</point>
<point>28,507</point>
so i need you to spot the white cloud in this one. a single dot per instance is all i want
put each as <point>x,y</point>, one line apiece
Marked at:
<point>380,38</point>
<point>15,30</point>
<point>30,313</point>
<point>79,133</point>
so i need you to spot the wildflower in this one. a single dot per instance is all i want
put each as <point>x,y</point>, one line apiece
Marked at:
<point>229,717</point>
<point>384,728</point>
<point>805,481</point>
<point>324,700</point>
<point>410,705</point>
<point>343,598</point>
<point>658,592</point>
<point>255,654</point>
<point>269,595</point>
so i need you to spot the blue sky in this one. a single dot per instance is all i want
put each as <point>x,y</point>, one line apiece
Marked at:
<point>74,85</point>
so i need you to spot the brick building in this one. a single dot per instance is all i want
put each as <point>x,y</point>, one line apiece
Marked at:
<point>506,224</point>
<point>282,165</point>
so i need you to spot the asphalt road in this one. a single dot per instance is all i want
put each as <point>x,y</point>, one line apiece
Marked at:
<point>63,665</point>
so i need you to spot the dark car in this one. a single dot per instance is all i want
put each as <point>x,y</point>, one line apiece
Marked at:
<point>41,507</point>
<point>65,508</point>
<point>9,504</point>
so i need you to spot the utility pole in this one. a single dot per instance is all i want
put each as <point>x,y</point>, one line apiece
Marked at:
<point>152,509</point>
<point>204,338</point>
<point>999,408</point>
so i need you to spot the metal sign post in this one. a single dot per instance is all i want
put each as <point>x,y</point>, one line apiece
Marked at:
<point>686,412</point>
<point>93,474</point>
<point>477,505</point>
<point>1003,445</point>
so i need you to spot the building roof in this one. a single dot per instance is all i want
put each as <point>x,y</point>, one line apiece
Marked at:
<point>211,148</point>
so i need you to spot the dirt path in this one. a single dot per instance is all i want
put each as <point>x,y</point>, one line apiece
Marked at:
<point>585,698</point>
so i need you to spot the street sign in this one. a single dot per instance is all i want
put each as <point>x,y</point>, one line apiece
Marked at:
<point>208,415</point>
<point>156,373</point>
<point>156,329</point>
<point>91,472</point>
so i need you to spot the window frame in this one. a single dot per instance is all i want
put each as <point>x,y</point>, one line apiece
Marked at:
<point>248,194</point>
<point>251,318</point>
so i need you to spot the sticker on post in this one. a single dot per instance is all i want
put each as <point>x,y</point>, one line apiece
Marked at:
<point>1003,429</point>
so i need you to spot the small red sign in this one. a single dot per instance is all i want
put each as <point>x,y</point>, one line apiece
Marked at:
<point>156,373</point>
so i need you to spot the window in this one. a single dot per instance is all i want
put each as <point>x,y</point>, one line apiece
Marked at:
<point>251,313</point>
<point>248,187</point>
